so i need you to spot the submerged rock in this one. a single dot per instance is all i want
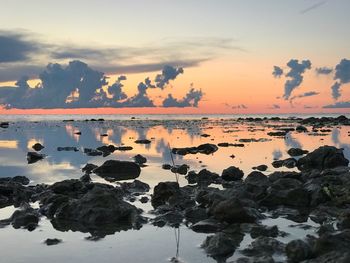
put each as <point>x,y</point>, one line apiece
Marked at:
<point>232,174</point>
<point>139,159</point>
<point>203,148</point>
<point>38,147</point>
<point>52,241</point>
<point>296,152</point>
<point>113,170</point>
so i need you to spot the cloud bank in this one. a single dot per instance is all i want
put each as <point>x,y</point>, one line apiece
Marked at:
<point>79,86</point>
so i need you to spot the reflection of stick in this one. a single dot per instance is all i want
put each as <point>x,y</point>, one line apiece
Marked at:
<point>172,159</point>
<point>177,239</point>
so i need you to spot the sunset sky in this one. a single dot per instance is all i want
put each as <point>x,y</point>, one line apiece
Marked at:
<point>227,48</point>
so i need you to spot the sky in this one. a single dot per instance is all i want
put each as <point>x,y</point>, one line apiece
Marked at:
<point>183,56</point>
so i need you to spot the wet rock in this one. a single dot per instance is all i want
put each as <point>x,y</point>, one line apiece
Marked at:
<point>72,187</point>
<point>180,169</point>
<point>298,250</point>
<point>26,217</point>
<point>143,141</point>
<point>324,157</point>
<point>68,149</point>
<point>106,149</point>
<point>135,187</point>
<point>171,218</point>
<point>221,246</point>
<point>330,242</point>
<point>144,199</point>
<point>256,178</point>
<point>52,241</point>
<point>113,170</point>
<point>17,179</point>
<point>261,167</point>
<point>163,191</point>
<point>226,144</point>
<point>88,168</point>
<point>262,259</point>
<point>284,175</point>
<point>289,163</point>
<point>296,152</point>
<point>4,124</point>
<point>195,214</point>
<point>203,178</point>
<point>123,148</point>
<point>33,157</point>
<point>301,128</point>
<point>207,226</point>
<point>264,246</point>
<point>38,147</point>
<point>278,133</point>
<point>232,174</point>
<point>92,152</point>
<point>232,211</point>
<point>166,166</point>
<point>139,159</point>
<point>267,231</point>
<point>203,148</point>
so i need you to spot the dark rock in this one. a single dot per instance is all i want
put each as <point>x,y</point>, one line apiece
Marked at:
<point>221,246</point>
<point>26,217</point>
<point>277,133</point>
<point>207,226</point>
<point>323,158</point>
<point>261,167</point>
<point>256,178</point>
<point>52,241</point>
<point>296,152</point>
<point>298,250</point>
<point>113,170</point>
<point>232,174</point>
<point>171,218</point>
<point>88,168</point>
<point>226,144</point>
<point>4,124</point>
<point>267,231</point>
<point>144,199</point>
<point>203,148</point>
<point>289,163</point>
<point>135,187</point>
<point>163,191</point>
<point>93,152</point>
<point>264,246</point>
<point>195,214</point>
<point>144,141</point>
<point>139,159</point>
<point>68,149</point>
<point>166,166</point>
<point>33,157</point>
<point>203,178</point>
<point>180,169</point>
<point>38,147</point>
<point>301,128</point>
<point>123,148</point>
<point>284,175</point>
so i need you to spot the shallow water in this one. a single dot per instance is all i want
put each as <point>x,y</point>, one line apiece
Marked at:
<point>149,244</point>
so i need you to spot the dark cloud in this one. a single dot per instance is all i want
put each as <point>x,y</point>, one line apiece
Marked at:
<point>16,47</point>
<point>338,105</point>
<point>306,94</point>
<point>342,76</point>
<point>240,106</point>
<point>295,75</point>
<point>79,86</point>
<point>168,73</point>
<point>275,106</point>
<point>323,71</point>
<point>277,72</point>
<point>312,7</point>
<point>191,99</point>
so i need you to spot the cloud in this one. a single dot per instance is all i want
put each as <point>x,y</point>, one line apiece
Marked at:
<point>275,106</point>
<point>342,76</point>
<point>168,73</point>
<point>312,7</point>
<point>15,47</point>
<point>338,105</point>
<point>306,94</point>
<point>323,71</point>
<point>240,106</point>
<point>79,86</point>
<point>277,72</point>
<point>295,75</point>
<point>191,99</point>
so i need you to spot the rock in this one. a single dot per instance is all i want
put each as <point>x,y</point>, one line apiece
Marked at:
<point>68,149</point>
<point>163,191</point>
<point>232,174</point>
<point>278,133</point>
<point>207,226</point>
<point>195,214</point>
<point>38,147</point>
<point>226,144</point>
<point>296,152</point>
<point>166,166</point>
<point>301,128</point>
<point>26,217</point>
<point>4,124</point>
<point>203,148</point>
<point>143,141</point>
<point>232,211</point>
<point>144,199</point>
<point>17,179</point>
<point>88,168</point>
<point>113,170</point>
<point>123,148</point>
<point>171,218</point>
<point>52,241</point>
<point>139,159</point>
<point>203,178</point>
<point>330,242</point>
<point>33,157</point>
<point>267,231</point>
<point>284,175</point>
<point>221,246</point>
<point>324,157</point>
<point>261,167</point>
<point>262,259</point>
<point>257,178</point>
<point>289,163</point>
<point>264,246</point>
<point>94,152</point>
<point>135,187</point>
<point>180,169</point>
<point>298,250</point>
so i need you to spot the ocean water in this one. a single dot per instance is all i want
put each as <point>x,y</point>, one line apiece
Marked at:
<point>149,244</point>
